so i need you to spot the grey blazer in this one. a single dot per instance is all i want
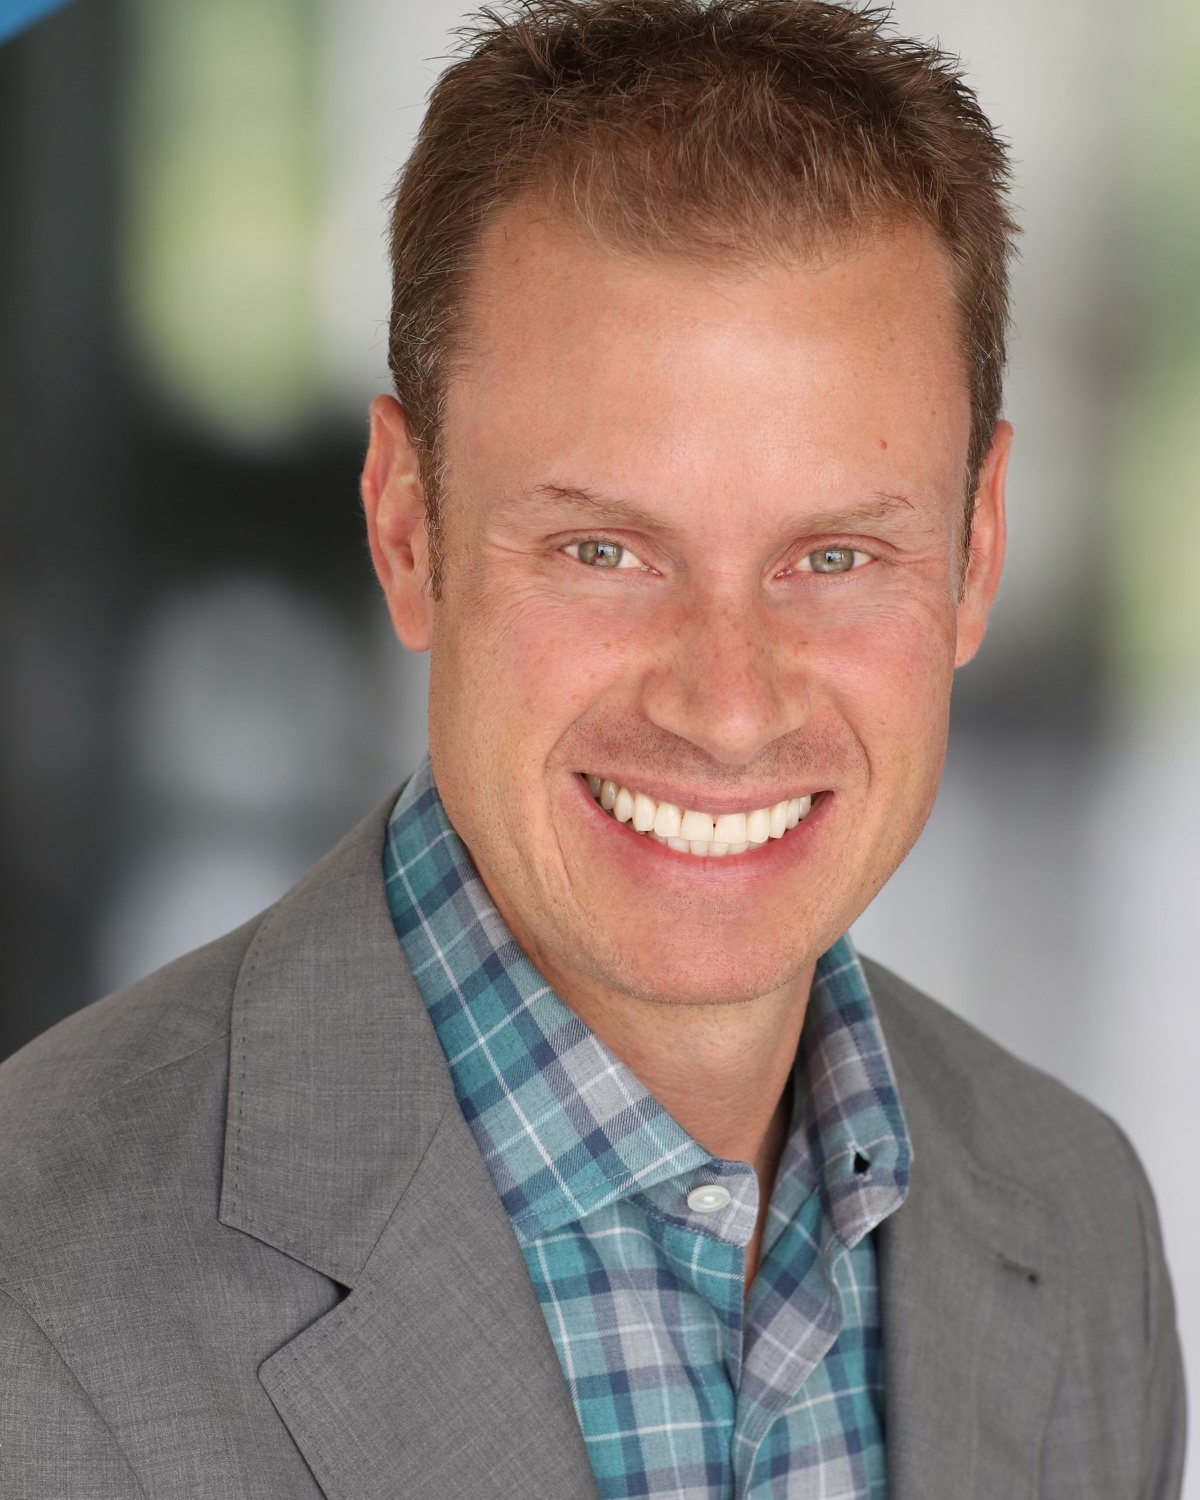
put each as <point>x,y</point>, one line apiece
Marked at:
<point>248,1249</point>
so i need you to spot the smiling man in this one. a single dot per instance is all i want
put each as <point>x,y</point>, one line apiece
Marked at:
<point>551,1139</point>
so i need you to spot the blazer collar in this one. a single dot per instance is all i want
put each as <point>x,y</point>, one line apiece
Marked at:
<point>345,1149</point>
<point>973,1289</point>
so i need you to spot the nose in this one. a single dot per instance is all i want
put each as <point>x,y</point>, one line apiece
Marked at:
<point>727,680</point>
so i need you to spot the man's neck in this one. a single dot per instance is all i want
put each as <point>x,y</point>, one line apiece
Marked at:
<point>720,1070</point>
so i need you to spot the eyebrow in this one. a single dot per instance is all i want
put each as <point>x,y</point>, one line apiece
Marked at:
<point>604,507</point>
<point>880,507</point>
<point>884,504</point>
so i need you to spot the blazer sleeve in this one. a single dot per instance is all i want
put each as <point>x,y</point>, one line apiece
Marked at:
<point>1164,1410</point>
<point>54,1443</point>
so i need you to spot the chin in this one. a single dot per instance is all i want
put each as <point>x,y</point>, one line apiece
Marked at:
<point>723,978</point>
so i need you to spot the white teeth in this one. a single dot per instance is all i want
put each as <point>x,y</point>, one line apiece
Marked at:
<point>700,834</point>
<point>644,809</point>
<point>696,825</point>
<point>667,820</point>
<point>798,809</point>
<point>758,826</point>
<point>731,828</point>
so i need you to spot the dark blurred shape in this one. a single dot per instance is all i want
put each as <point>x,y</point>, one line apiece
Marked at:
<point>110,509</point>
<point>63,452</point>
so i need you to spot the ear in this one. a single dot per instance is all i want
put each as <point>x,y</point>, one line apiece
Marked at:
<point>986,547</point>
<point>395,510</point>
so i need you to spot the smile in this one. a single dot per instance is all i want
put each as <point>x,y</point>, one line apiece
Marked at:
<point>706,835</point>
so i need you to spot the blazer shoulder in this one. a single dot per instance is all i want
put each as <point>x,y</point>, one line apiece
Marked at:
<point>68,1071</point>
<point>1012,1117</point>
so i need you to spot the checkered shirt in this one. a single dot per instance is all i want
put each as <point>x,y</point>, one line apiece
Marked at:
<point>684,1386</point>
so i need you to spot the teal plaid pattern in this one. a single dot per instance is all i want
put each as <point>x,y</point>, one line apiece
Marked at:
<point>684,1387</point>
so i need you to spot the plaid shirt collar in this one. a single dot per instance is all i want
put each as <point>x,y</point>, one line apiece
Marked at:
<point>566,1129</point>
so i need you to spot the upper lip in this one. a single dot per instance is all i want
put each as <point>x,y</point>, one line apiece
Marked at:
<point>701,799</point>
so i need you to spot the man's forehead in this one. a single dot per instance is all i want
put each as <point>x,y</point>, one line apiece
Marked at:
<point>591,363</point>
<point>531,252</point>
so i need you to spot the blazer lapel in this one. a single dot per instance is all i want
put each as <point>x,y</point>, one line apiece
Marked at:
<point>346,1150</point>
<point>435,1377</point>
<point>972,1294</point>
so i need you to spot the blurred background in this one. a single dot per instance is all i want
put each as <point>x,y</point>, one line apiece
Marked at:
<point>198,687</point>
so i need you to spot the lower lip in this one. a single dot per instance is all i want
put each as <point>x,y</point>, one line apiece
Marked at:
<point>762,861</point>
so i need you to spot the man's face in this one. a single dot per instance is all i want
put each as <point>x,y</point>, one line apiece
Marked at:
<point>771,464</point>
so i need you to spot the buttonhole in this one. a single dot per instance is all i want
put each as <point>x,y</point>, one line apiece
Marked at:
<point>1031,1276</point>
<point>861,1165</point>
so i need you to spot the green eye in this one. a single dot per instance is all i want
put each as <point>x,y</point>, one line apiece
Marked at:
<point>600,554</point>
<point>832,560</point>
<point>597,554</point>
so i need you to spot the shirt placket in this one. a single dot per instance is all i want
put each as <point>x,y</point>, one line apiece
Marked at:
<point>706,1233</point>
<point>787,1336</point>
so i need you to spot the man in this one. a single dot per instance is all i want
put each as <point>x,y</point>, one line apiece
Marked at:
<point>551,1139</point>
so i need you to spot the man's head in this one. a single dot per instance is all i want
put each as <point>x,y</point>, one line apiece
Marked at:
<point>716,294</point>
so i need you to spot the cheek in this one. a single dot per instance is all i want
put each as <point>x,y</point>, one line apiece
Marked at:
<point>535,662</point>
<point>889,669</point>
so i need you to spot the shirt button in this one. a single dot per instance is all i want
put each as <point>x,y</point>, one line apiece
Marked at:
<point>708,1200</point>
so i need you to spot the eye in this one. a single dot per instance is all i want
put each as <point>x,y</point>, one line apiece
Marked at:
<point>833,560</point>
<point>594,553</point>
